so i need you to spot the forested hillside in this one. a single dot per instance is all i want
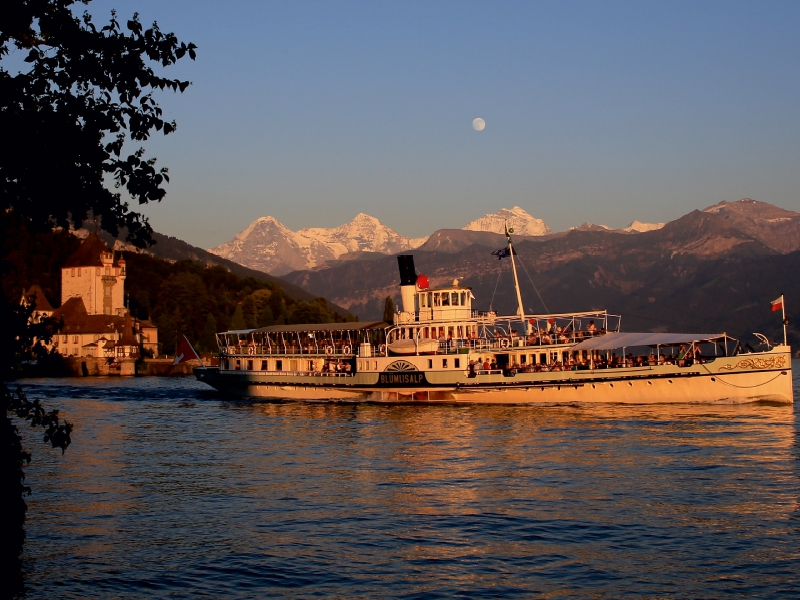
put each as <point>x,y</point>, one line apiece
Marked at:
<point>189,298</point>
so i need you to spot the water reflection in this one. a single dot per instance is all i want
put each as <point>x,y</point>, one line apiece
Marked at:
<point>166,491</point>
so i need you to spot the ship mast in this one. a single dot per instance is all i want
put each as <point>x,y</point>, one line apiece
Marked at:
<point>520,309</point>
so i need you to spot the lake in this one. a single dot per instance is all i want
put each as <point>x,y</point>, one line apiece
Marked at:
<point>169,491</point>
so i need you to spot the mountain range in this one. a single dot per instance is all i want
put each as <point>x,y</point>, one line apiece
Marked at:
<point>268,245</point>
<point>708,271</point>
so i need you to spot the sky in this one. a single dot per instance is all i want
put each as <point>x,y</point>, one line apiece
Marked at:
<point>604,112</point>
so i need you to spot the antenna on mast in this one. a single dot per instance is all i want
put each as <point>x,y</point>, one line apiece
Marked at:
<point>520,309</point>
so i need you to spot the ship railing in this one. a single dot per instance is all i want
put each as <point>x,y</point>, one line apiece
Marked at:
<point>488,371</point>
<point>293,373</point>
<point>310,350</point>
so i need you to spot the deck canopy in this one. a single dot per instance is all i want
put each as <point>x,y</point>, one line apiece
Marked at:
<point>320,327</point>
<point>612,341</point>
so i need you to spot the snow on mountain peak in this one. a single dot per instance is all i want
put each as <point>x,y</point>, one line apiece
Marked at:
<point>516,218</point>
<point>268,245</point>
<point>640,227</point>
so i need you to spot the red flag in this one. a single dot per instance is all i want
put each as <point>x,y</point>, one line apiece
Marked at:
<point>777,304</point>
<point>185,352</point>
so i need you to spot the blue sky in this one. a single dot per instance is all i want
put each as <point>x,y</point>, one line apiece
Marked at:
<point>595,111</point>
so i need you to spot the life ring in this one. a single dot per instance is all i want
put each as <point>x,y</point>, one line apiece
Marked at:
<point>328,350</point>
<point>504,343</point>
<point>345,349</point>
<point>251,350</point>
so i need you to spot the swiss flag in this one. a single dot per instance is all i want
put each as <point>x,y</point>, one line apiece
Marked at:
<point>777,304</point>
<point>185,352</point>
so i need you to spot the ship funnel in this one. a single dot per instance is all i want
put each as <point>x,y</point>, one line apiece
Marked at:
<point>408,286</point>
<point>408,275</point>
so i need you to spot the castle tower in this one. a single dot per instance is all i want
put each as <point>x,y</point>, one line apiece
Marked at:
<point>95,275</point>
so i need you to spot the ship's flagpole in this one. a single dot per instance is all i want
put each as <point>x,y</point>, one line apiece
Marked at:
<point>520,309</point>
<point>783,312</point>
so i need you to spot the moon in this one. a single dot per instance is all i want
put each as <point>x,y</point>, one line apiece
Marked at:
<point>478,124</point>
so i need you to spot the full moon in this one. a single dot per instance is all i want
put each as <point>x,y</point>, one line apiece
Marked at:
<point>478,124</point>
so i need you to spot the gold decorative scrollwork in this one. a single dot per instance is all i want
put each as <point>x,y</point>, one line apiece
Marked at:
<point>773,362</point>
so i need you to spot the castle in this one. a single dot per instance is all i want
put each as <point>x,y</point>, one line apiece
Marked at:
<point>95,320</point>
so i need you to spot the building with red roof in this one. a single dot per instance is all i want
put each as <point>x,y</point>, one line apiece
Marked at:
<point>95,322</point>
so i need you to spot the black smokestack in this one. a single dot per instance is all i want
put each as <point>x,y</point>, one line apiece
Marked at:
<point>408,276</point>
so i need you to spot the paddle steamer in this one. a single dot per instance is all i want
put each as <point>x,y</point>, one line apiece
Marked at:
<point>439,349</point>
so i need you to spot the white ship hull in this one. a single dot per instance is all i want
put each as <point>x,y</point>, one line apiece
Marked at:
<point>757,377</point>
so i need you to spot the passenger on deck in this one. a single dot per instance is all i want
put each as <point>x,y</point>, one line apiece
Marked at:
<point>486,365</point>
<point>651,360</point>
<point>592,327</point>
<point>682,356</point>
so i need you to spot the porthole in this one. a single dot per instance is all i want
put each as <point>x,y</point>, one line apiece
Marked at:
<point>670,380</point>
<point>649,383</point>
<point>630,383</point>
<point>713,379</point>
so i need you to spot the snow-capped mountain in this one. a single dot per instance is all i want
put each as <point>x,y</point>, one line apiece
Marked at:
<point>516,218</point>
<point>640,227</point>
<point>268,245</point>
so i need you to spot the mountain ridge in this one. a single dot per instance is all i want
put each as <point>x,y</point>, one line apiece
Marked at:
<point>268,245</point>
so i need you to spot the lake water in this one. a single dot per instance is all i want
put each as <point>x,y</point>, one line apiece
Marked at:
<point>169,491</point>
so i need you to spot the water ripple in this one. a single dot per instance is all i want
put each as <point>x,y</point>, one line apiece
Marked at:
<point>168,491</point>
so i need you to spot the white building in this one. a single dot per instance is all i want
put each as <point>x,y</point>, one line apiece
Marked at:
<point>97,276</point>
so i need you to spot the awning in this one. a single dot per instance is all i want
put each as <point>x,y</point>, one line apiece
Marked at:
<point>310,327</point>
<point>611,341</point>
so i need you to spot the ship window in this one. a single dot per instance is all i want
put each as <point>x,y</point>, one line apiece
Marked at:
<point>523,359</point>
<point>422,300</point>
<point>311,365</point>
<point>444,363</point>
<point>374,365</point>
<point>445,299</point>
<point>430,363</point>
<point>454,297</point>
<point>463,298</point>
<point>238,364</point>
<point>457,363</point>
<point>437,301</point>
<point>264,365</point>
<point>249,365</point>
<point>279,365</point>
